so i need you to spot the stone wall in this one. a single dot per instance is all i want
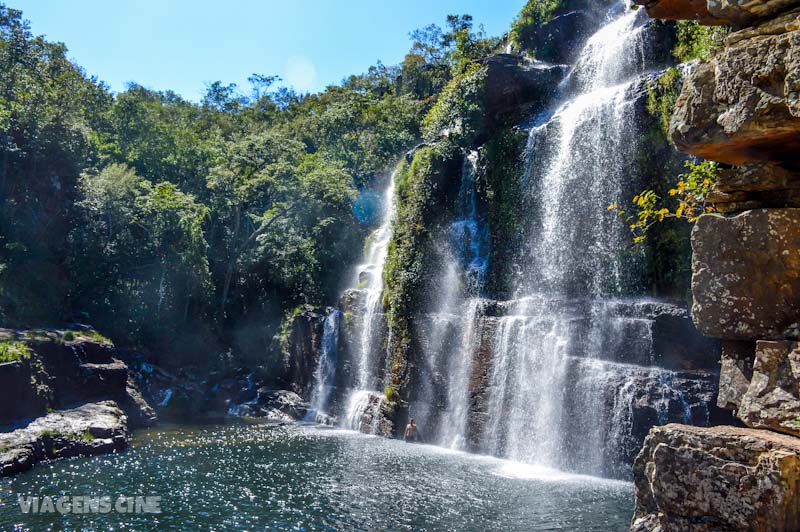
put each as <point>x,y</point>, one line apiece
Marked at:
<point>740,108</point>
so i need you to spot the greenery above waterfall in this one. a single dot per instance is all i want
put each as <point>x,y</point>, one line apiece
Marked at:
<point>196,230</point>
<point>195,227</point>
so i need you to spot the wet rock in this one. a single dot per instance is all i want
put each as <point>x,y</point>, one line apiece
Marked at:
<point>279,405</point>
<point>300,358</point>
<point>140,413</point>
<point>735,373</point>
<point>93,428</point>
<point>772,399</point>
<point>719,478</point>
<point>373,415</point>
<point>514,84</point>
<point>560,39</point>
<point>746,275</point>
<point>743,105</point>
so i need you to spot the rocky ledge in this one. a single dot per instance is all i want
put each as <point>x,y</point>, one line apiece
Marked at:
<point>93,428</point>
<point>64,393</point>
<point>719,478</point>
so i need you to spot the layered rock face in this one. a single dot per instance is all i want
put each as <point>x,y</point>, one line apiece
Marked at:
<point>65,398</point>
<point>743,106</point>
<point>739,108</point>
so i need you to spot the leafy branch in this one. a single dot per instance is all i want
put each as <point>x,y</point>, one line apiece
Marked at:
<point>689,194</point>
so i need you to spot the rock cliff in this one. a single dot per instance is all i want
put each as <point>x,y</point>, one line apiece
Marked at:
<point>739,108</point>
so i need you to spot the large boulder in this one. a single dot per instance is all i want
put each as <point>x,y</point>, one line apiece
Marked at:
<point>746,275</point>
<point>714,479</point>
<point>740,12</point>
<point>679,10</point>
<point>772,399</point>
<point>20,397</point>
<point>755,186</point>
<point>514,85</point>
<point>92,428</point>
<point>742,106</point>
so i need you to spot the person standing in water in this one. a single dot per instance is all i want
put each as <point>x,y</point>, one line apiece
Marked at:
<point>411,434</point>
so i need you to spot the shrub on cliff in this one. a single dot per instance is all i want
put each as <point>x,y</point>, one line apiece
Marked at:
<point>533,15</point>
<point>458,114</point>
<point>696,41</point>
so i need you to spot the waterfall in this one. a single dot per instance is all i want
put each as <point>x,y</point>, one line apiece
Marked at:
<point>455,323</point>
<point>369,281</point>
<point>325,373</point>
<point>562,386</point>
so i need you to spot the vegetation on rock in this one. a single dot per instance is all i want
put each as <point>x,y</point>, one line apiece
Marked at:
<point>533,15</point>
<point>696,41</point>
<point>11,351</point>
<point>688,201</point>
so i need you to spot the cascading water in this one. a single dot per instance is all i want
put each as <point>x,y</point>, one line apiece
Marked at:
<point>454,324</point>
<point>557,390</point>
<point>370,282</point>
<point>325,373</point>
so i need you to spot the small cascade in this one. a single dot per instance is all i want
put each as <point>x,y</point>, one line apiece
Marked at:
<point>561,395</point>
<point>469,234</point>
<point>369,282</point>
<point>452,432</point>
<point>325,373</point>
<point>364,412</point>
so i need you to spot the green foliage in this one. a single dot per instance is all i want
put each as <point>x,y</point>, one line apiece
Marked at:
<point>458,114</point>
<point>11,351</point>
<point>662,95</point>
<point>189,228</point>
<point>420,195</point>
<point>689,197</point>
<point>390,392</point>
<point>696,41</point>
<point>534,14</point>
<point>502,158</point>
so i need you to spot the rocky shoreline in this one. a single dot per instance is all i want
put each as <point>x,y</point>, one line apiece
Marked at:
<point>69,393</point>
<point>739,108</point>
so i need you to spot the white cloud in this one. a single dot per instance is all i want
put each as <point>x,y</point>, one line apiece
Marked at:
<point>300,73</point>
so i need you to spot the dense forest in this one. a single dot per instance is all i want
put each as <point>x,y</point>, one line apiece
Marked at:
<point>193,229</point>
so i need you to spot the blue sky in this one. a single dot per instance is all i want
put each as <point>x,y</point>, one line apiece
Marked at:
<point>184,44</point>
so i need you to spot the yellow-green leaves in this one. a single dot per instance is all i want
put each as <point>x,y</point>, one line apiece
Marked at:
<point>689,193</point>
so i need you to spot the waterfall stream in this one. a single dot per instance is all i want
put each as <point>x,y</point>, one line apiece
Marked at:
<point>566,374</point>
<point>558,394</point>
<point>369,281</point>
<point>325,373</point>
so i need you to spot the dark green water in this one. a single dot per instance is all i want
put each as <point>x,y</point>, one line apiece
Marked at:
<point>268,477</point>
